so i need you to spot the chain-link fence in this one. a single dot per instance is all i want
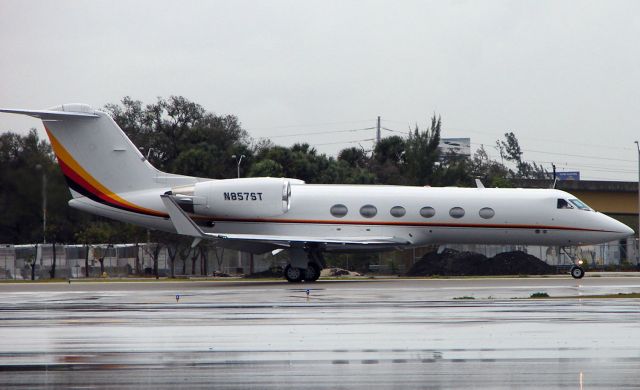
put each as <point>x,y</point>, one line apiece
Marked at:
<point>78,261</point>
<point>615,256</point>
<point>36,261</point>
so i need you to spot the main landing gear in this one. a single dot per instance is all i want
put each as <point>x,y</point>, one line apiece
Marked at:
<point>305,266</point>
<point>297,275</point>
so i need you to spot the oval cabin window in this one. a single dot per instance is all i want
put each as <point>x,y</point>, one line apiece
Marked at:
<point>427,212</point>
<point>456,212</point>
<point>339,210</point>
<point>398,211</point>
<point>487,212</point>
<point>368,211</point>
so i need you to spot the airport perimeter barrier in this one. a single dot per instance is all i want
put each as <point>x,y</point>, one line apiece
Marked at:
<point>615,255</point>
<point>116,260</point>
<point>121,260</point>
<point>620,255</point>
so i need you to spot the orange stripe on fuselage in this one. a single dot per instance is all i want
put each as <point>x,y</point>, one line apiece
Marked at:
<point>94,186</point>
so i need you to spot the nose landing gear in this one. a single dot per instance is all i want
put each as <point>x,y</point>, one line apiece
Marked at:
<point>576,272</point>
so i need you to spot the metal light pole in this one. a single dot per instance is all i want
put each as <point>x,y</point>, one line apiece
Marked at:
<point>238,161</point>
<point>44,203</point>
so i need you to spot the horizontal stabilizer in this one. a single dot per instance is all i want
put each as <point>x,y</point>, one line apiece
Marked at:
<point>49,114</point>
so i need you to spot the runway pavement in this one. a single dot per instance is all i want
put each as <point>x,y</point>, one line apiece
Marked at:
<point>355,334</point>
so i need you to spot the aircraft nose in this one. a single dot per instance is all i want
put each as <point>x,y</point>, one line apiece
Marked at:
<point>615,230</point>
<point>621,229</point>
<point>627,230</point>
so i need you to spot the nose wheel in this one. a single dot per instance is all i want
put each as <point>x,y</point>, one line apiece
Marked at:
<point>576,272</point>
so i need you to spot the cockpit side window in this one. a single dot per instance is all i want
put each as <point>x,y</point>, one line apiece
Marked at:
<point>579,204</point>
<point>563,204</point>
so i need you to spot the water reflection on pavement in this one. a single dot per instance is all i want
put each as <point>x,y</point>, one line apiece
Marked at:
<point>378,334</point>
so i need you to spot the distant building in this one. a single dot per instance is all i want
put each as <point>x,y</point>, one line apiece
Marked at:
<point>568,175</point>
<point>455,147</point>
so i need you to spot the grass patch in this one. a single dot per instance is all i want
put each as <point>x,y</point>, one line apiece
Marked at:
<point>539,295</point>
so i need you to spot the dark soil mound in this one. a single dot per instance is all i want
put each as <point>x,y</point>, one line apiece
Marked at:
<point>518,262</point>
<point>453,263</point>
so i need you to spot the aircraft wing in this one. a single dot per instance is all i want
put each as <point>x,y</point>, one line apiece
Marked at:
<point>264,242</point>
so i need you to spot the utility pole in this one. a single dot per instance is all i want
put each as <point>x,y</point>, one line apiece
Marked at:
<point>638,232</point>
<point>44,207</point>
<point>378,132</point>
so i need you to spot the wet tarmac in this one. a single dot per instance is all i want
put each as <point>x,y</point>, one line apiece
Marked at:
<point>355,334</point>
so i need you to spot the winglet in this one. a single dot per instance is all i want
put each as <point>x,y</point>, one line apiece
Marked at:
<point>181,221</point>
<point>479,183</point>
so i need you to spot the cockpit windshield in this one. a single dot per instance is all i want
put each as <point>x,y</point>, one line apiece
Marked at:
<point>579,204</point>
<point>572,204</point>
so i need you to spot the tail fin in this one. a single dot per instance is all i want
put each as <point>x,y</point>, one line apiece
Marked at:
<point>94,153</point>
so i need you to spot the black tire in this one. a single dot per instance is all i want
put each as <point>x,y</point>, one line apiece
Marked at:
<point>576,272</point>
<point>312,273</point>
<point>293,274</point>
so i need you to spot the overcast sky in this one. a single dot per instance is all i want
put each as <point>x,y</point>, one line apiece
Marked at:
<point>564,76</point>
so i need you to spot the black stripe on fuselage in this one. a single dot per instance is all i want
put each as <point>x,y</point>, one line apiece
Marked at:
<point>81,190</point>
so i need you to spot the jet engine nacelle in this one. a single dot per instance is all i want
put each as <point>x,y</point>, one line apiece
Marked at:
<point>258,197</point>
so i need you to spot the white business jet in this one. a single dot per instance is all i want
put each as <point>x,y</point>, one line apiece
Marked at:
<point>108,176</point>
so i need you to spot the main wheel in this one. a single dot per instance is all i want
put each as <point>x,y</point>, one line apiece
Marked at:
<point>577,272</point>
<point>312,273</point>
<point>293,274</point>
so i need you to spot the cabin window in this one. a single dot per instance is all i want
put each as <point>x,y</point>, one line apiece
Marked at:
<point>368,211</point>
<point>563,204</point>
<point>486,212</point>
<point>398,211</point>
<point>339,210</point>
<point>456,212</point>
<point>579,204</point>
<point>427,212</point>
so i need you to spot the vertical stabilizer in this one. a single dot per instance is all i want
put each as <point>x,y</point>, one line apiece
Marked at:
<point>95,155</point>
